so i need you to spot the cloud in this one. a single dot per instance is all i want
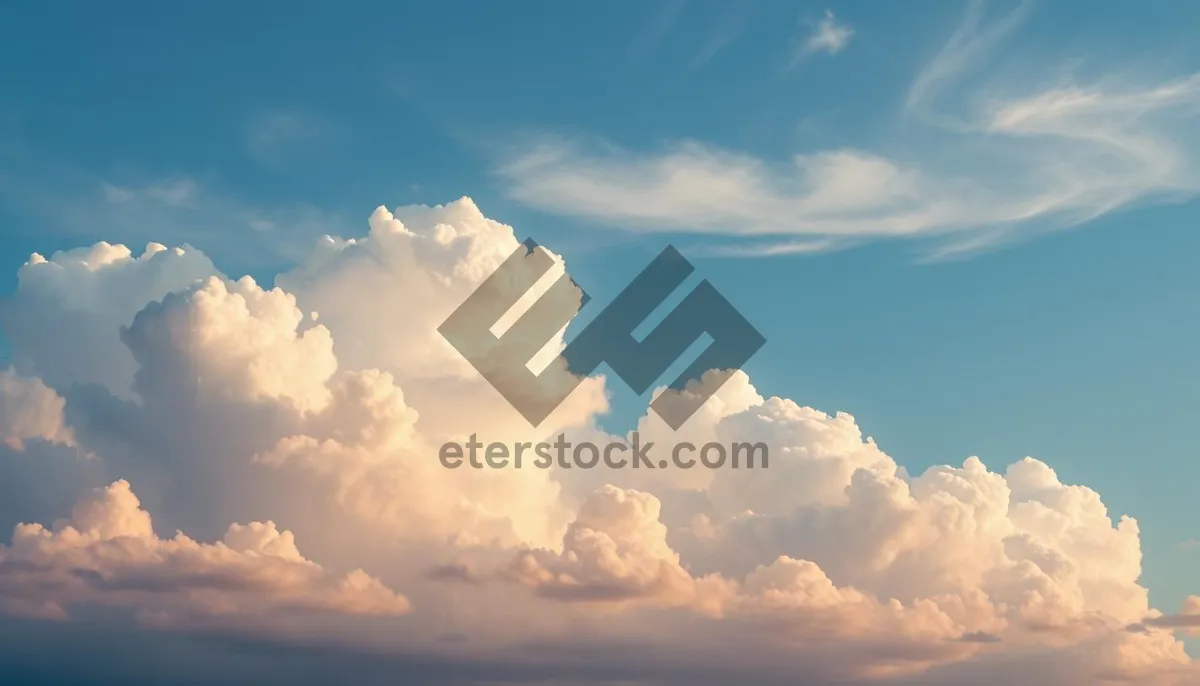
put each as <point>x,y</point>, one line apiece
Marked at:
<point>973,39</point>
<point>92,292</point>
<point>434,256</point>
<point>1010,162</point>
<point>107,553</point>
<point>730,26</point>
<point>828,36</point>
<point>1188,618</point>
<point>29,409</point>
<point>232,338</point>
<point>170,192</point>
<point>657,27</point>
<point>616,550</point>
<point>272,136</point>
<point>314,410</point>
<point>50,197</point>
<point>42,466</point>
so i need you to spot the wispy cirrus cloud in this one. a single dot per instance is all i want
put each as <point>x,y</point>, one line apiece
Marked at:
<point>657,27</point>
<point>996,163</point>
<point>51,197</point>
<point>172,192</point>
<point>270,137</point>
<point>973,38</point>
<point>730,25</point>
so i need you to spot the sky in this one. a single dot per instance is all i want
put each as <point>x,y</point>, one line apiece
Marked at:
<point>967,225</point>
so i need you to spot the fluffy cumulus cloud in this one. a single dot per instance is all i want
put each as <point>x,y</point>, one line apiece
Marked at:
<point>91,292</point>
<point>29,409</point>
<point>616,549</point>
<point>257,421</point>
<point>107,553</point>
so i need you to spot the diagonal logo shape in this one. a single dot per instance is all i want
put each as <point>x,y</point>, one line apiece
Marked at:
<point>607,339</point>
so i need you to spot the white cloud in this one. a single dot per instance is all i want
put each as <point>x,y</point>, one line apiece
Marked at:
<point>170,192</point>
<point>271,136</point>
<point>828,36</point>
<point>364,452</point>
<point>235,339</point>
<point>973,38</point>
<point>30,410</point>
<point>833,562</point>
<point>92,292</point>
<point>422,263</point>
<point>53,198</point>
<point>107,553</point>
<point>615,551</point>
<point>996,161</point>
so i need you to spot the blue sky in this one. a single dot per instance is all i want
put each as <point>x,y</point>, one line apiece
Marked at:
<point>946,324</point>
